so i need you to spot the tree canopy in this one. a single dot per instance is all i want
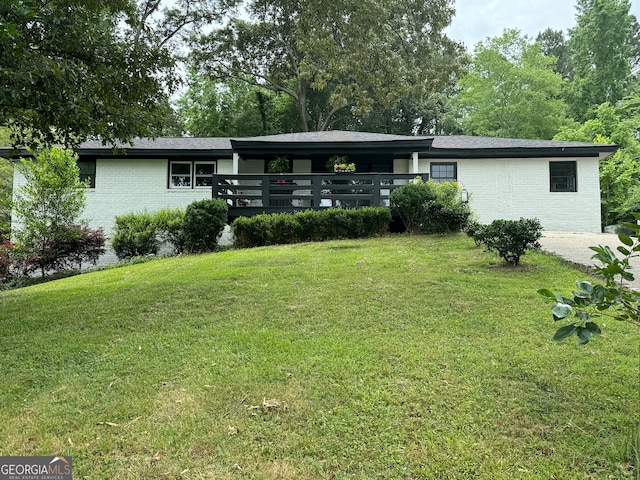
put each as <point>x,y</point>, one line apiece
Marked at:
<point>336,59</point>
<point>620,173</point>
<point>73,69</point>
<point>601,49</point>
<point>511,90</point>
<point>237,108</point>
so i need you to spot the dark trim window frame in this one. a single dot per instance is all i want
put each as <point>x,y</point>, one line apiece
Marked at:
<point>190,174</point>
<point>87,169</point>
<point>563,176</point>
<point>443,172</point>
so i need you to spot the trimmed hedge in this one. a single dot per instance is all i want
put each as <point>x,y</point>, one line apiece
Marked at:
<point>310,226</point>
<point>193,230</point>
<point>135,235</point>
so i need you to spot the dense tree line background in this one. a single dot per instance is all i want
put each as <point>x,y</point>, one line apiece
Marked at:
<point>77,69</point>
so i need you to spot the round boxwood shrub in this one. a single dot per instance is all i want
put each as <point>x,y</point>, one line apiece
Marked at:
<point>204,221</point>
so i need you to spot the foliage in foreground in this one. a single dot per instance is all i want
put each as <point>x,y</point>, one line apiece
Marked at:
<point>509,239</point>
<point>47,207</point>
<point>310,226</point>
<point>383,358</point>
<point>590,301</point>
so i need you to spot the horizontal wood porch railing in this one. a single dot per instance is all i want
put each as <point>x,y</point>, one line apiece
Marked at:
<point>251,194</point>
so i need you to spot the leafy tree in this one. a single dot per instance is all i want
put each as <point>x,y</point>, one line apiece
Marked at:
<point>600,46</point>
<point>71,69</point>
<point>553,44</point>
<point>48,204</point>
<point>336,58</point>
<point>620,173</point>
<point>511,90</point>
<point>236,108</point>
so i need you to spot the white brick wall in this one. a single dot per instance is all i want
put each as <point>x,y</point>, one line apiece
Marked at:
<point>513,188</point>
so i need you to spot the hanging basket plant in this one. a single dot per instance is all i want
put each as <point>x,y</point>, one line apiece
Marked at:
<point>278,165</point>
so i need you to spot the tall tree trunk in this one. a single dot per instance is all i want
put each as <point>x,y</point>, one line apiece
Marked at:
<point>302,103</point>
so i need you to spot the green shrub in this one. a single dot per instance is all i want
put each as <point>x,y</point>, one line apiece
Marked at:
<point>510,239</point>
<point>6,263</point>
<point>408,202</point>
<point>204,221</point>
<point>375,221</point>
<point>445,219</point>
<point>333,223</point>
<point>430,207</point>
<point>135,235</point>
<point>251,231</point>
<point>474,231</point>
<point>310,226</point>
<point>170,227</point>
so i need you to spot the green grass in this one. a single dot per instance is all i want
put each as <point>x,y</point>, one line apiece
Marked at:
<point>391,358</point>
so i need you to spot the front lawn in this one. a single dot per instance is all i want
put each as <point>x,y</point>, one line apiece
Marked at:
<point>391,358</point>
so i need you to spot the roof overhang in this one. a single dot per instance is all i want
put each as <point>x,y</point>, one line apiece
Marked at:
<point>599,151</point>
<point>396,147</point>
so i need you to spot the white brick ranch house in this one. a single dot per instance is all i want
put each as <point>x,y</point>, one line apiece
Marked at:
<point>556,182</point>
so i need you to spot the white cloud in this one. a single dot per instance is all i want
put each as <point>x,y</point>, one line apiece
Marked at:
<point>476,19</point>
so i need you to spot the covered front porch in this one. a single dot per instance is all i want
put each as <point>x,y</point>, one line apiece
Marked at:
<point>252,194</point>
<point>382,163</point>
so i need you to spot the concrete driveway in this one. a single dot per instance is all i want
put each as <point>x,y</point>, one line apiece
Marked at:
<point>574,247</point>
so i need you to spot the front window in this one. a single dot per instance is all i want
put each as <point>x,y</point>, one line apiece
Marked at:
<point>180,175</point>
<point>562,176</point>
<point>444,172</point>
<point>191,174</point>
<point>204,173</point>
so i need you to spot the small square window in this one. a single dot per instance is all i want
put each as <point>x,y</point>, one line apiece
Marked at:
<point>562,176</point>
<point>444,172</point>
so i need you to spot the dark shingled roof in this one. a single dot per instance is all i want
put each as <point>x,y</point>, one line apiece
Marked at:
<point>166,143</point>
<point>331,136</point>
<point>474,143</point>
<point>453,146</point>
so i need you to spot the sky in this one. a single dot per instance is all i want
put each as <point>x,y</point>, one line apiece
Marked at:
<point>477,19</point>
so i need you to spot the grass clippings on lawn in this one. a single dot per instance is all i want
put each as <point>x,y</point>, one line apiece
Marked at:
<point>392,358</point>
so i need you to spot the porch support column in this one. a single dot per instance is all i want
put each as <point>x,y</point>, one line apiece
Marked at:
<point>236,163</point>
<point>414,163</point>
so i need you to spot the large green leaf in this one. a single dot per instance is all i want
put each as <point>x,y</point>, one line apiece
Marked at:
<point>593,328</point>
<point>584,286</point>
<point>584,335</point>
<point>626,239</point>
<point>624,251</point>
<point>565,332</point>
<point>561,310</point>
<point>549,294</point>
